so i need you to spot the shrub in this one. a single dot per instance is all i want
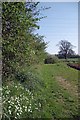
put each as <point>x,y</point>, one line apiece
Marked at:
<point>29,80</point>
<point>51,59</point>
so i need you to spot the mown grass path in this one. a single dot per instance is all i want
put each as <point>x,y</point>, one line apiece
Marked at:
<point>60,91</point>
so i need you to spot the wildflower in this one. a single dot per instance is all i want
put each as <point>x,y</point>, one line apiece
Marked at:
<point>9,107</point>
<point>17,114</point>
<point>9,111</point>
<point>39,104</point>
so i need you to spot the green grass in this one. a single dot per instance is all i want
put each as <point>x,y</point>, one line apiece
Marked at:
<point>60,101</point>
<point>54,86</point>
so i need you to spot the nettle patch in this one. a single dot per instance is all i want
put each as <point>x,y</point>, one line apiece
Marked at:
<point>19,102</point>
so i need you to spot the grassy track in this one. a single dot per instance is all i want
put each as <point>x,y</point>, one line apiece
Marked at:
<point>60,91</point>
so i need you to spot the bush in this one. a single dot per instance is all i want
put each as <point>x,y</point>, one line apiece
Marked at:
<point>29,80</point>
<point>51,59</point>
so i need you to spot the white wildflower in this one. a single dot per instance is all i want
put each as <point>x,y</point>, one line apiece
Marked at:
<point>39,104</point>
<point>9,111</point>
<point>17,114</point>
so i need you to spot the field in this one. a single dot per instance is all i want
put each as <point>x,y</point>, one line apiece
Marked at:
<point>72,60</point>
<point>61,90</point>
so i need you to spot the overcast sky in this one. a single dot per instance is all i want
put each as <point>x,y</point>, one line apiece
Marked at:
<point>61,24</point>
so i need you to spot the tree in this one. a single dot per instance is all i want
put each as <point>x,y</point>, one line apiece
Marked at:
<point>66,48</point>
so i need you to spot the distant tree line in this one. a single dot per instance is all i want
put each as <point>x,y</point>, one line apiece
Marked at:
<point>60,56</point>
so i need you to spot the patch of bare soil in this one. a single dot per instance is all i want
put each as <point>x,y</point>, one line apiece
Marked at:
<point>67,85</point>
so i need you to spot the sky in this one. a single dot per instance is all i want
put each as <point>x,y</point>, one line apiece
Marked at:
<point>57,0</point>
<point>61,23</point>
